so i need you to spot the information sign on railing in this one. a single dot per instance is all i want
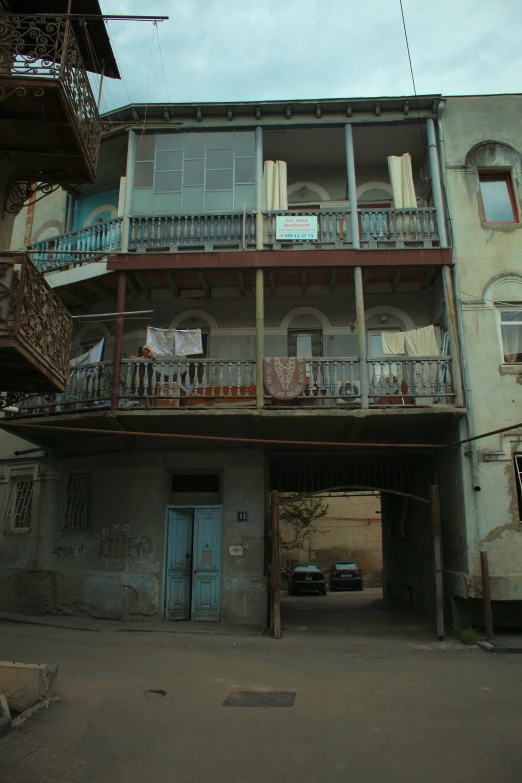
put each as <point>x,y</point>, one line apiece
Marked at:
<point>296,228</point>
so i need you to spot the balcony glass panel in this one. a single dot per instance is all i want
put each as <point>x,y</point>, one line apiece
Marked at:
<point>143,175</point>
<point>169,161</point>
<point>220,159</point>
<point>220,141</point>
<point>245,144</point>
<point>142,201</point>
<point>167,203</point>
<point>145,146</point>
<point>221,179</point>
<point>167,181</point>
<point>244,196</point>
<point>169,141</point>
<point>194,145</point>
<point>194,172</point>
<point>245,171</point>
<point>193,199</point>
<point>219,201</point>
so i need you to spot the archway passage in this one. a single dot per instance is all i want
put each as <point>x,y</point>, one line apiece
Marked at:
<point>406,506</point>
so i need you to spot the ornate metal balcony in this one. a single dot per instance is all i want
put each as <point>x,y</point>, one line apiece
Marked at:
<point>35,330</point>
<point>43,80</point>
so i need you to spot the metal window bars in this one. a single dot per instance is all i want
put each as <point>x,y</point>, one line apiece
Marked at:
<point>17,511</point>
<point>76,502</point>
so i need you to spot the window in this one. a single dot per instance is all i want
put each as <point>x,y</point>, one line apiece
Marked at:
<point>17,511</point>
<point>511,333</point>
<point>77,501</point>
<point>307,343</point>
<point>498,198</point>
<point>517,460</point>
<point>195,482</point>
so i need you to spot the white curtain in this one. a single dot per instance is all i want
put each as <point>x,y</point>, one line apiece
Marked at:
<point>422,342</point>
<point>275,188</point>
<point>401,178</point>
<point>393,342</point>
<point>511,334</point>
<point>91,357</point>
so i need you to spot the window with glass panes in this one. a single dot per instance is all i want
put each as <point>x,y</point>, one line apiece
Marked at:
<point>498,198</point>
<point>511,333</point>
<point>184,173</point>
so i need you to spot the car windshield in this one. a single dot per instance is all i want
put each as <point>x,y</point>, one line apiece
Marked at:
<point>306,567</point>
<point>345,566</point>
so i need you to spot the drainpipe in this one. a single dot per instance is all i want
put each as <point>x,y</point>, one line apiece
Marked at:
<point>475,481</point>
<point>129,183</point>
<point>260,336</point>
<point>352,187</point>
<point>259,188</point>
<point>433,162</point>
<point>361,335</point>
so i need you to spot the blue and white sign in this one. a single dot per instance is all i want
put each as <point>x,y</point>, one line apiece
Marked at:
<point>298,227</point>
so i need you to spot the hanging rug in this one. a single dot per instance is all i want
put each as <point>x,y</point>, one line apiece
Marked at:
<point>284,377</point>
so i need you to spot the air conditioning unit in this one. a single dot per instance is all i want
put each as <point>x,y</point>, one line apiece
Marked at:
<point>348,392</point>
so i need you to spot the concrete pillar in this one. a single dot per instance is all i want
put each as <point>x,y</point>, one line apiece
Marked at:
<point>361,336</point>
<point>259,188</point>
<point>352,186</point>
<point>129,183</point>
<point>436,189</point>
<point>260,336</point>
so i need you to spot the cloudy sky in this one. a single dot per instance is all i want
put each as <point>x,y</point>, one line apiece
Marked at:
<point>233,50</point>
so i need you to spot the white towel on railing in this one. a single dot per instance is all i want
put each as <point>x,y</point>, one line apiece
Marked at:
<point>92,356</point>
<point>422,342</point>
<point>174,342</point>
<point>401,178</point>
<point>393,342</point>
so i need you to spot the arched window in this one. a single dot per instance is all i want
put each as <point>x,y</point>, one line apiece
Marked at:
<point>498,169</point>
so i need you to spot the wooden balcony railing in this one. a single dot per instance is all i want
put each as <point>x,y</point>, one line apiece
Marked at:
<point>398,228</point>
<point>175,383</point>
<point>35,329</point>
<point>78,247</point>
<point>45,48</point>
<point>174,233</point>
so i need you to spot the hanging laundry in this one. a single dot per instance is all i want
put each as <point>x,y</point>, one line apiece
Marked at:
<point>393,342</point>
<point>422,342</point>
<point>174,342</point>
<point>91,357</point>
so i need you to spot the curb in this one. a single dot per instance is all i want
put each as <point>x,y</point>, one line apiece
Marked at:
<point>497,649</point>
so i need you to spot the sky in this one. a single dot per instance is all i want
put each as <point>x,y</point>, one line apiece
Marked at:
<point>235,50</point>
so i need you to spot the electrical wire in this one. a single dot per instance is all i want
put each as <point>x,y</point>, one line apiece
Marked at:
<point>147,95</point>
<point>162,64</point>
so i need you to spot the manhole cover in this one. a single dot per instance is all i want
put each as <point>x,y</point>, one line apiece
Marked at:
<point>260,699</point>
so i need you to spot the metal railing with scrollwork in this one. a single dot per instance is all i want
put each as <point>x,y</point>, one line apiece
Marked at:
<point>44,47</point>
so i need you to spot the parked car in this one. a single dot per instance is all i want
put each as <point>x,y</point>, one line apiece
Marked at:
<point>306,578</point>
<point>345,576</point>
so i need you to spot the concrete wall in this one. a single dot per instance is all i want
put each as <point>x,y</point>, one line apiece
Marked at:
<point>115,568</point>
<point>488,270</point>
<point>351,530</point>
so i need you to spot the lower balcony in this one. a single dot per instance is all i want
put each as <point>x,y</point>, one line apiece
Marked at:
<point>214,383</point>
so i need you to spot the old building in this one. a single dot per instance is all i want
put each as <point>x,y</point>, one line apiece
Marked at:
<point>281,229</point>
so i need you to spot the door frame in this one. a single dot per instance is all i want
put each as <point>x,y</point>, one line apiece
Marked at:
<point>194,506</point>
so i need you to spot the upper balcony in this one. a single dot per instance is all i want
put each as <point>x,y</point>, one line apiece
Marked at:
<point>44,84</point>
<point>214,189</point>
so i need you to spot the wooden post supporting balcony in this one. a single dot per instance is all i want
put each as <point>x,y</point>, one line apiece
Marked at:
<point>260,336</point>
<point>259,189</point>
<point>361,335</point>
<point>451,324</point>
<point>118,340</point>
<point>352,186</point>
<point>129,183</point>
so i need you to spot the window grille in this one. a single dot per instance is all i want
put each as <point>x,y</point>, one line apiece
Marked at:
<point>518,475</point>
<point>77,501</point>
<point>17,511</point>
<point>316,339</point>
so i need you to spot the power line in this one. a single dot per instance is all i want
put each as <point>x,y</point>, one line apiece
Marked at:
<point>162,65</point>
<point>147,95</point>
<point>408,48</point>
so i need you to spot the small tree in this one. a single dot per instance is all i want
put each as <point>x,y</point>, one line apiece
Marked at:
<point>300,515</point>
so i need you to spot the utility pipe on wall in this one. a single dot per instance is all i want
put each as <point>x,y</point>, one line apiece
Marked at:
<point>352,186</point>
<point>433,162</point>
<point>361,335</point>
<point>259,188</point>
<point>260,336</point>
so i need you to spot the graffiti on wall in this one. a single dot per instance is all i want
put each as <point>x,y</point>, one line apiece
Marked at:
<point>117,550</point>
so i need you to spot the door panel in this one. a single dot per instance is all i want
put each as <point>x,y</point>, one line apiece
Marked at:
<point>179,563</point>
<point>206,585</point>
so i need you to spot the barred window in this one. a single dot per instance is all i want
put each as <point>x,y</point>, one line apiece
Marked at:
<point>77,501</point>
<point>17,511</point>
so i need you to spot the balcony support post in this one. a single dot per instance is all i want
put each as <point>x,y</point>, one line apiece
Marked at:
<point>361,336</point>
<point>259,188</point>
<point>453,332</point>
<point>118,340</point>
<point>129,184</point>
<point>352,186</point>
<point>436,189</point>
<point>260,336</point>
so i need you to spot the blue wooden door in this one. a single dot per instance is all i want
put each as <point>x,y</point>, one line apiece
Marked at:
<point>206,584</point>
<point>179,563</point>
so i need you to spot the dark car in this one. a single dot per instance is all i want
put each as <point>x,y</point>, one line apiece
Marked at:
<point>345,576</point>
<point>306,578</point>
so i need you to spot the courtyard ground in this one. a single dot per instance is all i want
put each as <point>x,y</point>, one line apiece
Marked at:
<point>380,700</point>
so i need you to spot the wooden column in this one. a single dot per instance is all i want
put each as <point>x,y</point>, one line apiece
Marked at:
<point>259,189</point>
<point>352,185</point>
<point>118,340</point>
<point>437,558</point>
<point>361,336</point>
<point>129,184</point>
<point>453,332</point>
<point>260,336</point>
<point>275,571</point>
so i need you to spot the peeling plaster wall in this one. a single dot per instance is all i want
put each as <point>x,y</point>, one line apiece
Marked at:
<point>115,568</point>
<point>488,261</point>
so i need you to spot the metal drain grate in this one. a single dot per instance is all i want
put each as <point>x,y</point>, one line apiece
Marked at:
<point>260,699</point>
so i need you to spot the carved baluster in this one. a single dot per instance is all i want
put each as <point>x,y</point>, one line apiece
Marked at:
<point>178,220</point>
<point>220,379</point>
